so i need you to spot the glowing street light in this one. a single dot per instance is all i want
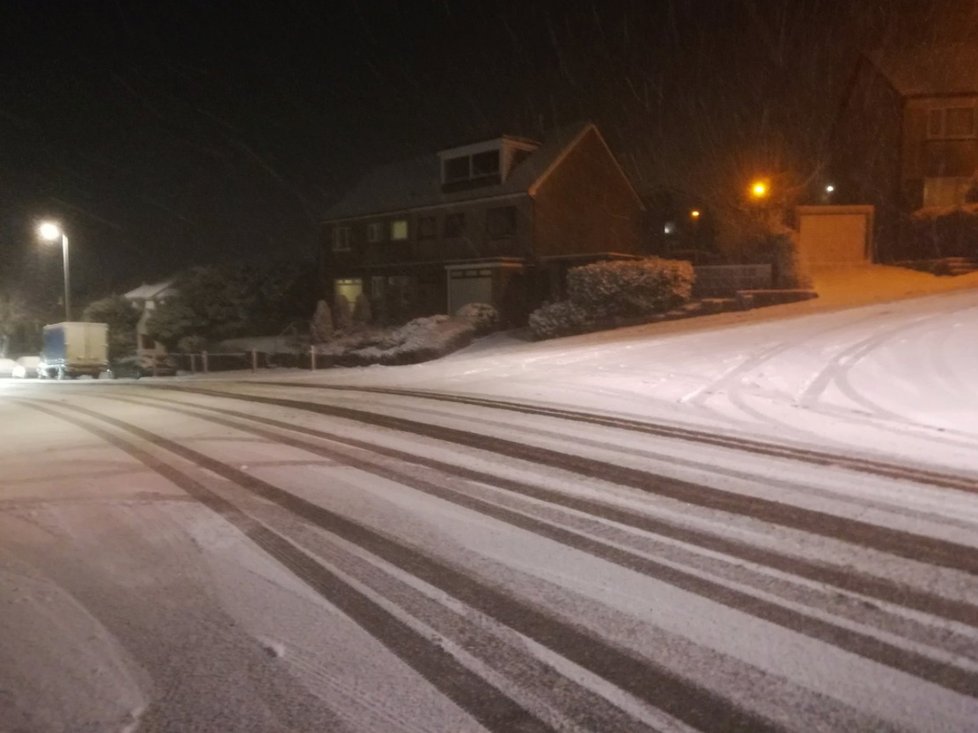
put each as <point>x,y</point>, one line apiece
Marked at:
<point>759,190</point>
<point>830,189</point>
<point>52,232</point>
<point>694,214</point>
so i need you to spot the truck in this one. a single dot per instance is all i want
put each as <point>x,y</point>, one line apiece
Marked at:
<point>73,349</point>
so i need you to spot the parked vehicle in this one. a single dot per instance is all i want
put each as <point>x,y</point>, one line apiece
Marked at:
<point>73,349</point>
<point>26,367</point>
<point>146,365</point>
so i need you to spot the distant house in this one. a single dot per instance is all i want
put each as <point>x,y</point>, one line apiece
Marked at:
<point>907,137</point>
<point>496,221</point>
<point>146,298</point>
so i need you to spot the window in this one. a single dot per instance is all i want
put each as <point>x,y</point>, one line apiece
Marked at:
<point>375,231</point>
<point>427,227</point>
<point>951,123</point>
<point>501,222</point>
<point>454,225</point>
<point>341,239</point>
<point>485,164</point>
<point>457,169</point>
<point>399,229</point>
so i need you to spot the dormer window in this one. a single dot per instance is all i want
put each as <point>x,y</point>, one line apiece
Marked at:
<point>457,169</point>
<point>485,164</point>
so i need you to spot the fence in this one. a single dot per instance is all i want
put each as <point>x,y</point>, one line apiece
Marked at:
<point>205,362</point>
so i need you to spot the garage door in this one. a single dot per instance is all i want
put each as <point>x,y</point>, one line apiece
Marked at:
<point>468,286</point>
<point>833,236</point>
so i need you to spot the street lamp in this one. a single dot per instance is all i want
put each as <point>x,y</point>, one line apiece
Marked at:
<point>51,232</point>
<point>759,190</point>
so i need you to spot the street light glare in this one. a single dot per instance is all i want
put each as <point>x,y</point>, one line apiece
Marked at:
<point>759,189</point>
<point>49,231</point>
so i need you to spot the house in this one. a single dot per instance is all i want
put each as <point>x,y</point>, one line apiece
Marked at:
<point>146,298</point>
<point>907,136</point>
<point>497,221</point>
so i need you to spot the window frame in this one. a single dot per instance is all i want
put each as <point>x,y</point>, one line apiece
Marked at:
<point>407,230</point>
<point>375,231</point>
<point>511,217</point>
<point>342,236</point>
<point>941,114</point>
<point>449,219</point>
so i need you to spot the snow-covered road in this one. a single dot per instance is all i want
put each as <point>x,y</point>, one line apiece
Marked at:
<point>780,536</point>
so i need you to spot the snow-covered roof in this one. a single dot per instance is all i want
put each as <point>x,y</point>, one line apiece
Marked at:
<point>930,70</point>
<point>416,183</point>
<point>149,291</point>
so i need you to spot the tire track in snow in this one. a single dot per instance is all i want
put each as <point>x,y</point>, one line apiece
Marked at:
<point>483,702</point>
<point>903,544</point>
<point>677,432</point>
<point>846,579</point>
<point>643,678</point>
<point>853,640</point>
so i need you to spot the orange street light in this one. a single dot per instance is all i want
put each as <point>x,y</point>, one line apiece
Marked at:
<point>694,214</point>
<point>759,190</point>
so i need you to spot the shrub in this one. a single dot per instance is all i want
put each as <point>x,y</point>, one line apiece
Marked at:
<point>790,269</point>
<point>342,318</point>
<point>562,318</point>
<point>483,317</point>
<point>630,287</point>
<point>321,326</point>
<point>419,340</point>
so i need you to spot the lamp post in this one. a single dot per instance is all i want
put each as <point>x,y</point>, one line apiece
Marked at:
<point>51,232</point>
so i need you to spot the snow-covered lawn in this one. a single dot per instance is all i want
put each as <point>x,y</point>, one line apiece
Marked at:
<point>896,377</point>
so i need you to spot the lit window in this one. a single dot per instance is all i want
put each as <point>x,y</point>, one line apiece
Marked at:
<point>375,231</point>
<point>341,239</point>
<point>399,229</point>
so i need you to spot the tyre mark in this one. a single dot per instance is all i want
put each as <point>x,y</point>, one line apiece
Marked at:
<point>484,703</point>
<point>867,646</point>
<point>845,579</point>
<point>805,455</point>
<point>643,678</point>
<point>935,551</point>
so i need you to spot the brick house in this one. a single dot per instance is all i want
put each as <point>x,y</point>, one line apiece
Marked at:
<point>495,221</point>
<point>907,136</point>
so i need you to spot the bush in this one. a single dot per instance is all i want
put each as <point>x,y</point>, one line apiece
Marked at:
<point>483,317</point>
<point>631,287</point>
<point>342,318</point>
<point>321,326</point>
<point>419,340</point>
<point>562,318</point>
<point>790,269</point>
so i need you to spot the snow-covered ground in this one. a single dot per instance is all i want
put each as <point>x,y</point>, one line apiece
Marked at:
<point>230,554</point>
<point>898,378</point>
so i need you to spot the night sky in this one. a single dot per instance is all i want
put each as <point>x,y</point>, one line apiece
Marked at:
<point>164,134</point>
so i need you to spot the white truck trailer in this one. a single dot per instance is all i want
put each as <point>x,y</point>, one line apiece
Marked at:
<point>74,348</point>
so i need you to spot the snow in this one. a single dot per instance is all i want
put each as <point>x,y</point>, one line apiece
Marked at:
<point>126,604</point>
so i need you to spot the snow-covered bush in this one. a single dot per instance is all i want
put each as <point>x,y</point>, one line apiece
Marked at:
<point>361,310</point>
<point>342,318</point>
<point>562,318</point>
<point>790,269</point>
<point>483,317</point>
<point>630,287</point>
<point>321,326</point>
<point>419,340</point>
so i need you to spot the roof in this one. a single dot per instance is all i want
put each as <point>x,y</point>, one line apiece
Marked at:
<point>416,183</point>
<point>148,291</point>
<point>930,70</point>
